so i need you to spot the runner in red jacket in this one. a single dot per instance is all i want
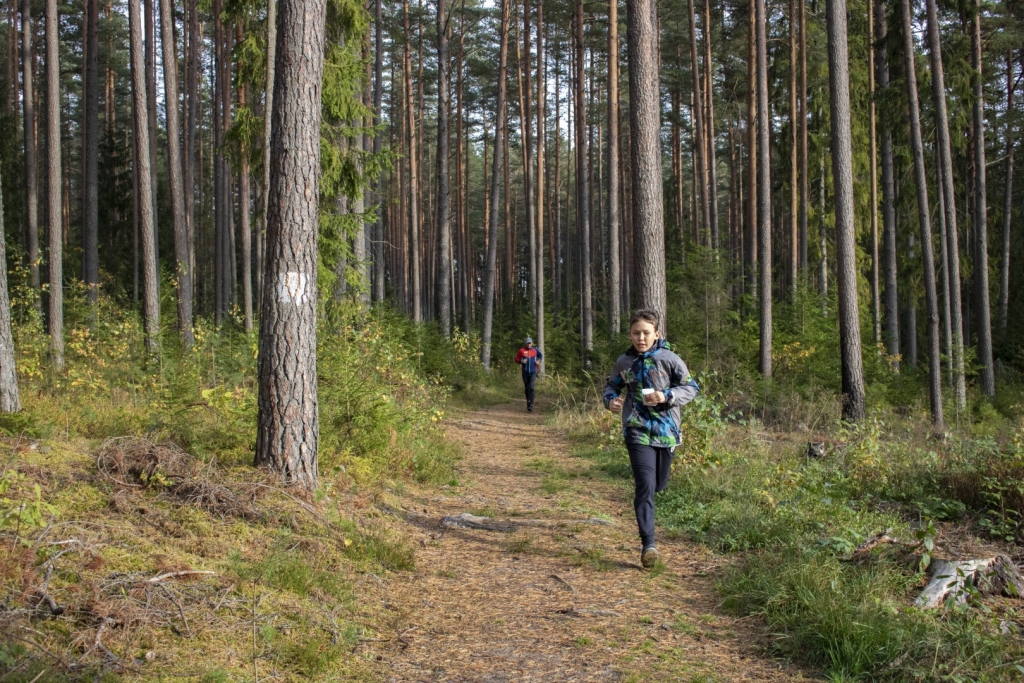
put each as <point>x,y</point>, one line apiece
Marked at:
<point>527,358</point>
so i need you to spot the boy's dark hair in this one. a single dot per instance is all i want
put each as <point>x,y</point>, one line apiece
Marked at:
<point>647,315</point>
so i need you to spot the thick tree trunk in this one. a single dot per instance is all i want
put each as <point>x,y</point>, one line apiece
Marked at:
<point>951,248</point>
<point>764,192</point>
<point>924,218</point>
<point>842,178</point>
<point>54,222</point>
<point>986,372</point>
<point>444,242</point>
<point>1004,269</point>
<point>183,269</point>
<point>288,421</point>
<point>876,297</point>
<point>9,400</point>
<point>891,318</point>
<point>28,101</point>
<point>614,219</point>
<point>149,24</point>
<point>500,125</point>
<point>140,104</point>
<point>91,152</point>
<point>645,156</point>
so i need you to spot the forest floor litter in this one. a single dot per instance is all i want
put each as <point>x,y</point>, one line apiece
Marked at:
<point>529,570</point>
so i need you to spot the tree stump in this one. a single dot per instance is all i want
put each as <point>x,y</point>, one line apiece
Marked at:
<point>989,576</point>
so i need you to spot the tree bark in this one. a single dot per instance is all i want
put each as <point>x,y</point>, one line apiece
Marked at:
<point>378,95</point>
<point>891,318</point>
<point>414,213</point>
<point>183,270</point>
<point>288,421</point>
<point>583,189</point>
<point>539,179</point>
<point>645,156</point>
<point>924,218</point>
<point>804,189</point>
<point>709,130</point>
<point>268,108</point>
<point>140,101</point>
<point>444,242</point>
<point>842,178</point>
<point>9,399</point>
<point>951,246</point>
<point>876,298</point>
<point>492,228</point>
<point>54,221</point>
<point>752,155</point>
<point>149,24</point>
<point>614,220</point>
<point>794,178</point>
<point>244,214</point>
<point>699,146</point>
<point>1004,270</point>
<point>986,372</point>
<point>29,130</point>
<point>90,152</point>
<point>764,190</point>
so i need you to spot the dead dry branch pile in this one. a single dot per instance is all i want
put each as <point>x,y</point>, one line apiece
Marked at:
<point>136,463</point>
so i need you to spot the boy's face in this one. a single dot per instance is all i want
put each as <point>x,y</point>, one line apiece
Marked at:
<point>643,335</point>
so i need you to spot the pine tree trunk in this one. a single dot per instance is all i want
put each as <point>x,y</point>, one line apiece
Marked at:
<point>986,372</point>
<point>9,400</point>
<point>192,66</point>
<point>526,126</point>
<point>1004,269</point>
<point>414,193</point>
<point>794,178</point>
<point>876,297</point>
<point>54,221</point>
<point>140,101</point>
<point>764,192</point>
<point>90,152</point>
<point>951,265</point>
<point>752,155</point>
<point>891,318</point>
<point>149,19</point>
<point>842,178</point>
<point>709,129</point>
<point>699,145</point>
<point>539,182</point>
<point>614,220</point>
<point>29,130</point>
<point>500,126</point>
<point>268,108</point>
<point>183,270</point>
<point>444,242</point>
<point>288,422</point>
<point>645,156</point>
<point>924,218</point>
<point>583,189</point>
<point>803,152</point>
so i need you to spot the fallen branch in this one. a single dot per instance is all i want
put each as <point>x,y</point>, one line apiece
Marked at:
<point>573,612</point>
<point>98,643</point>
<point>468,521</point>
<point>172,575</point>
<point>562,581</point>
<point>987,576</point>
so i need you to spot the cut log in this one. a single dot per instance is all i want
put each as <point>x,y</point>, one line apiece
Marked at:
<point>468,521</point>
<point>989,576</point>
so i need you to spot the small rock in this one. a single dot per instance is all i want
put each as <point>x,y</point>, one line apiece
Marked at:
<point>150,656</point>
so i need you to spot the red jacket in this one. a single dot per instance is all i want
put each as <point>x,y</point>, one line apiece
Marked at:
<point>531,355</point>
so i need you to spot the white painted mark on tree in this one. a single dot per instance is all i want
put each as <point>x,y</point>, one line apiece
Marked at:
<point>292,290</point>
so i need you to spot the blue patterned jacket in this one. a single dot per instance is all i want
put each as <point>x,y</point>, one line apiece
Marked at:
<point>660,369</point>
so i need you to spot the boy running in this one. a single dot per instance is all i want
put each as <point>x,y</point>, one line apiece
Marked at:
<point>656,383</point>
<point>527,358</point>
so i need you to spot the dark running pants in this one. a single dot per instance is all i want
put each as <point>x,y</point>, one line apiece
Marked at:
<point>651,469</point>
<point>529,380</point>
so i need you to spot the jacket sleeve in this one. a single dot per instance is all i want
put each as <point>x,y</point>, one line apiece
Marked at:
<point>614,384</point>
<point>519,356</point>
<point>683,387</point>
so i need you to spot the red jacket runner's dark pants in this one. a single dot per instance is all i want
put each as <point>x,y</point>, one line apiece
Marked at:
<point>529,381</point>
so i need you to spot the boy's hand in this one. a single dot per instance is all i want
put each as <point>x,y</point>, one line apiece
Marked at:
<point>654,398</point>
<point>615,405</point>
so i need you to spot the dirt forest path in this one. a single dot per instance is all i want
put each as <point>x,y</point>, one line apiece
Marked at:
<point>559,598</point>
